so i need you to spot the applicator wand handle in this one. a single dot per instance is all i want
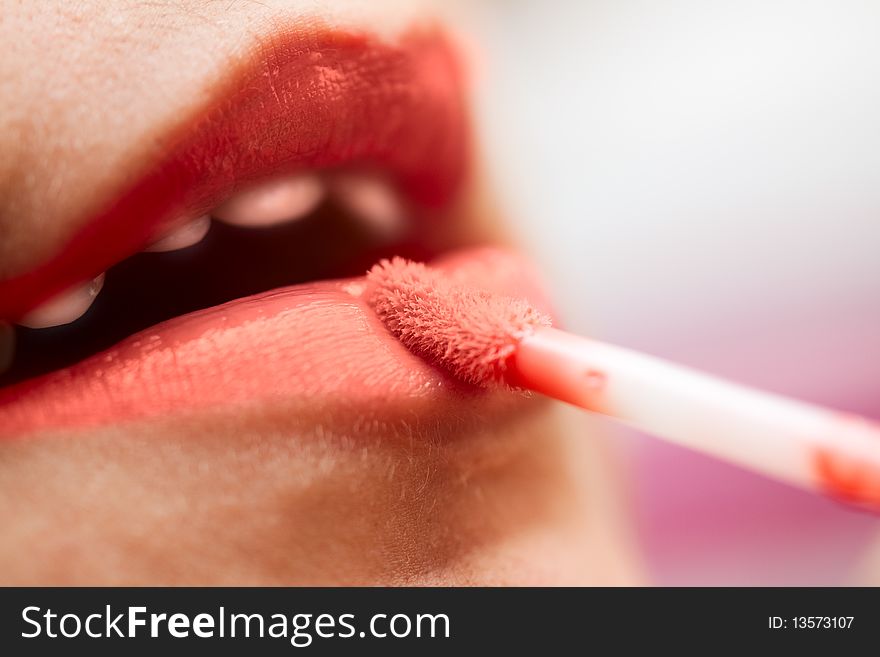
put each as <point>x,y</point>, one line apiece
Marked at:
<point>800,443</point>
<point>486,339</point>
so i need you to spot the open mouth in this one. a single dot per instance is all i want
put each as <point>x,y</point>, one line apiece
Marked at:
<point>290,240</point>
<point>227,272</point>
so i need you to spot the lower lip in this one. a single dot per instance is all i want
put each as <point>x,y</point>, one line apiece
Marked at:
<point>314,348</point>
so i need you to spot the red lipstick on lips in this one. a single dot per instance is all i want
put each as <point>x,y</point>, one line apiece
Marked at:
<point>305,101</point>
<point>302,100</point>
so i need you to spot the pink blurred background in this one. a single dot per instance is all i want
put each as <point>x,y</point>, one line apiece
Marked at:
<point>701,180</point>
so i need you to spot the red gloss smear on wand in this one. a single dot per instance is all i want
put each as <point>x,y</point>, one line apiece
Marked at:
<point>302,100</point>
<point>847,480</point>
<point>487,339</point>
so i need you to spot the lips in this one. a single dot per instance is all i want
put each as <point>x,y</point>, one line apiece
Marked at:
<point>305,104</point>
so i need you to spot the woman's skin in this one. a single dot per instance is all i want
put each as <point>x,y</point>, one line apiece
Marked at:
<point>529,495</point>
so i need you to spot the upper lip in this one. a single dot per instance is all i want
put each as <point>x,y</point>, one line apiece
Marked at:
<point>304,99</point>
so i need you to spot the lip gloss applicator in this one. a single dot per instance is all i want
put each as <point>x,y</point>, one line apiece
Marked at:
<point>486,339</point>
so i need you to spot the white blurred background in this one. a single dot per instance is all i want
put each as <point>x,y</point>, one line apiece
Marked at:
<point>701,180</point>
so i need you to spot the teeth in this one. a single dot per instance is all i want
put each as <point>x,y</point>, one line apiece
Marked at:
<point>7,346</point>
<point>64,308</point>
<point>372,199</point>
<point>273,202</point>
<point>183,236</point>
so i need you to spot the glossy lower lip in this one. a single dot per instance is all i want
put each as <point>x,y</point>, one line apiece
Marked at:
<point>304,100</point>
<point>314,349</point>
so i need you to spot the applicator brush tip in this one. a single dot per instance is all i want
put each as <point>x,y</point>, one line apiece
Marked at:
<point>470,332</point>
